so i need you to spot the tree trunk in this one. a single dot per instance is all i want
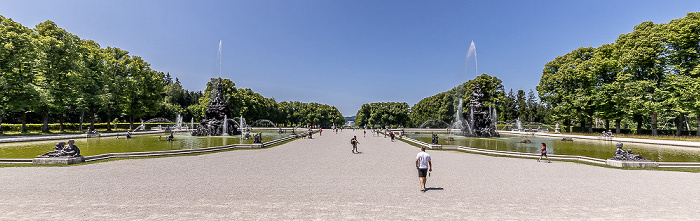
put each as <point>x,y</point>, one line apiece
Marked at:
<point>607,124</point>
<point>131,122</point>
<point>45,126</point>
<point>2,132</point>
<point>654,131</point>
<point>92,120</point>
<point>24,122</point>
<point>60,122</point>
<point>109,120</point>
<point>639,123</point>
<point>697,132</point>
<point>679,124</point>
<point>583,125</point>
<point>82,116</point>
<point>568,125</point>
<point>617,126</point>
<point>590,125</point>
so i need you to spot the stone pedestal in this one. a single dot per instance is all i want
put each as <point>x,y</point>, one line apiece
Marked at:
<point>632,164</point>
<point>256,145</point>
<point>58,160</point>
<point>435,146</point>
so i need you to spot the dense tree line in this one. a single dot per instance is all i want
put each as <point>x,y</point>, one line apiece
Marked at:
<point>50,75</point>
<point>253,106</point>
<point>383,114</point>
<point>649,76</point>
<point>439,110</point>
<point>49,72</point>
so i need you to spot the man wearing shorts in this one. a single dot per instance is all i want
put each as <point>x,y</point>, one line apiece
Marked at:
<point>423,165</point>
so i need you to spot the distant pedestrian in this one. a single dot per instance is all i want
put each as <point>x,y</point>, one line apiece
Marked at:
<point>392,135</point>
<point>365,133</point>
<point>354,143</point>
<point>320,131</point>
<point>424,165</point>
<point>543,152</point>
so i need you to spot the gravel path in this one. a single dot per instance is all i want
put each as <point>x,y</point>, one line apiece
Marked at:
<point>321,179</point>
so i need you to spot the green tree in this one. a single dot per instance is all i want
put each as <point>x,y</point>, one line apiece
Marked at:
<point>58,67</point>
<point>642,71</point>
<point>19,61</point>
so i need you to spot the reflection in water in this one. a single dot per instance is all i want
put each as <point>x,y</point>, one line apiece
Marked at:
<point>590,148</point>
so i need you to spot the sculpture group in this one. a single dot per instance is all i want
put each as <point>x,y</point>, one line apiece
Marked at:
<point>215,122</point>
<point>63,150</point>
<point>481,122</point>
<point>627,155</point>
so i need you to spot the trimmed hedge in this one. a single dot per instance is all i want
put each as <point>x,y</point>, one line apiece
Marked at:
<point>76,126</point>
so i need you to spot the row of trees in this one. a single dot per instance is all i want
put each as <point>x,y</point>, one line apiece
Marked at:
<point>253,106</point>
<point>49,71</point>
<point>439,110</point>
<point>383,113</point>
<point>648,75</point>
<point>50,75</point>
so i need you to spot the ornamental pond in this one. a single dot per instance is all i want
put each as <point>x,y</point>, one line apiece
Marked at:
<point>600,149</point>
<point>138,143</point>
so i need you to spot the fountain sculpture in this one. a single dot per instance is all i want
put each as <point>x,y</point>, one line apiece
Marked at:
<point>627,155</point>
<point>216,117</point>
<point>63,150</point>
<point>481,122</point>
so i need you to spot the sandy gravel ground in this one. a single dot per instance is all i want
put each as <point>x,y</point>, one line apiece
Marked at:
<point>321,179</point>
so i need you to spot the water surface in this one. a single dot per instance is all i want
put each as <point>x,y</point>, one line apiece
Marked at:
<point>138,143</point>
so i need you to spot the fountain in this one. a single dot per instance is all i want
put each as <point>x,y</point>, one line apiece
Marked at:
<point>481,123</point>
<point>215,122</point>
<point>437,123</point>
<point>261,121</point>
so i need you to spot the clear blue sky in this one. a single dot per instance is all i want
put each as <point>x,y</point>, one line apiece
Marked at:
<point>346,53</point>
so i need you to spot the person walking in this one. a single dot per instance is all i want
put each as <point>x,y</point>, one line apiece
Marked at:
<point>354,143</point>
<point>424,165</point>
<point>365,133</point>
<point>543,152</point>
<point>320,131</point>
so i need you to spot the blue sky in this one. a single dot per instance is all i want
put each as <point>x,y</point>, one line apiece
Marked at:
<point>346,53</point>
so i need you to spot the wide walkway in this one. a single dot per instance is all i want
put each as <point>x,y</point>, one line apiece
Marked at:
<point>321,179</point>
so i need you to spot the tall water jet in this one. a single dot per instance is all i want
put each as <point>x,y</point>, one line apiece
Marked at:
<point>219,58</point>
<point>224,127</point>
<point>472,52</point>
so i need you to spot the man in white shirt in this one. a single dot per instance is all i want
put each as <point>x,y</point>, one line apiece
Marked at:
<point>423,165</point>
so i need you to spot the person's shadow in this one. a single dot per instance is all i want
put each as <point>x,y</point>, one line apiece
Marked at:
<point>433,188</point>
<point>358,152</point>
